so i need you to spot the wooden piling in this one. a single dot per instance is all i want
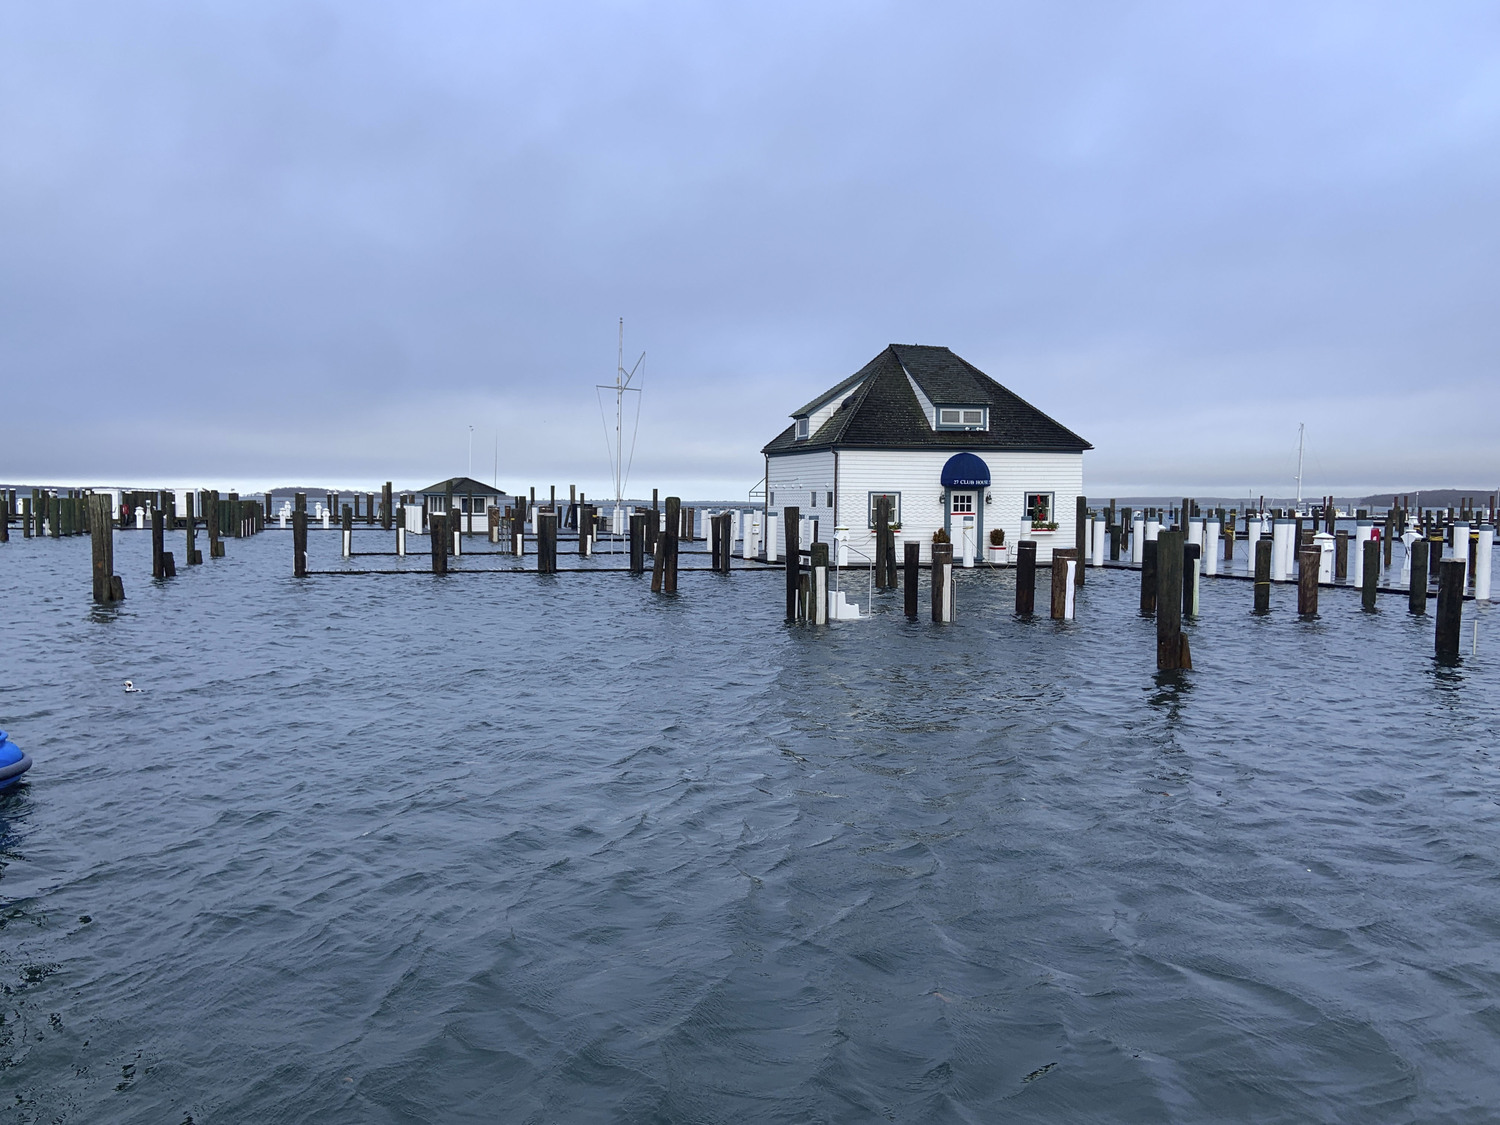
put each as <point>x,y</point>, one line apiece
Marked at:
<point>1191,552</point>
<point>158,528</point>
<point>546,542</point>
<point>1416,599</point>
<point>1081,543</point>
<point>792,518</point>
<point>1150,564</point>
<point>385,506</point>
<point>1171,644</point>
<point>1062,592</point>
<point>439,541</point>
<point>1341,555</point>
<point>1263,547</point>
<point>1450,604</point>
<point>1371,575</point>
<point>817,597</point>
<point>4,519</point>
<point>669,571</point>
<point>885,576</point>
<point>299,533</point>
<point>1309,559</point>
<point>190,550</point>
<point>942,582</point>
<point>912,566</point>
<point>1026,578</point>
<point>102,549</point>
<point>215,515</point>
<point>637,543</point>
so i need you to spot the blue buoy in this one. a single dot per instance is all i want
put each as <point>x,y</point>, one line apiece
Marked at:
<point>13,761</point>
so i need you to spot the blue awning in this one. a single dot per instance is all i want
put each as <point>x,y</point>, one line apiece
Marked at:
<point>964,470</point>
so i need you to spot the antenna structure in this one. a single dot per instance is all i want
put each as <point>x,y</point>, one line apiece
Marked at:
<point>619,463</point>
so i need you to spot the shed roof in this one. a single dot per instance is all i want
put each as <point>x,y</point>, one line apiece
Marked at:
<point>462,486</point>
<point>885,413</point>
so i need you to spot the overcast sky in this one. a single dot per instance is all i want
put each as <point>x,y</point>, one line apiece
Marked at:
<point>261,243</point>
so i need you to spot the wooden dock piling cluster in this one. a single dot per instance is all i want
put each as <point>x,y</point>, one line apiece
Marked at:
<point>1175,549</point>
<point>62,513</point>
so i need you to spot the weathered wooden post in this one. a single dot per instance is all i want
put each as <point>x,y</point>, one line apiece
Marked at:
<point>546,542</point>
<point>1026,577</point>
<point>637,543</point>
<point>299,534</point>
<point>817,610</point>
<point>1417,589</point>
<point>191,556</point>
<point>346,531</point>
<point>385,507</point>
<point>1080,538</point>
<point>1371,575</point>
<point>492,514</point>
<point>158,527</point>
<point>1309,560</point>
<point>1064,565</point>
<point>792,517</point>
<point>518,528</point>
<point>439,540</point>
<point>1190,584</point>
<point>107,587</point>
<point>1450,604</point>
<point>912,565</point>
<point>1263,550</point>
<point>215,514</point>
<point>942,582</point>
<point>1171,644</point>
<point>401,531</point>
<point>1150,564</point>
<point>669,545</point>
<point>884,544</point>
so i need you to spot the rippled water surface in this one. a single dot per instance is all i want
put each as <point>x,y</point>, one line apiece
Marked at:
<point>506,848</point>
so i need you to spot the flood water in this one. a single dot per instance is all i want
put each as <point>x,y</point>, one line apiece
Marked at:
<point>399,848</point>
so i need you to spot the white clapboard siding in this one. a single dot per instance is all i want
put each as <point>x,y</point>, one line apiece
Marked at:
<point>916,475</point>
<point>791,481</point>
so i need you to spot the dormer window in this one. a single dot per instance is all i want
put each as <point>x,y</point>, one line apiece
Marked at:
<point>963,418</point>
<point>802,429</point>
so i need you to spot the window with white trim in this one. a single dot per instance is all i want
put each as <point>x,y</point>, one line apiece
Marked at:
<point>963,418</point>
<point>803,428</point>
<point>1039,507</point>
<point>895,498</point>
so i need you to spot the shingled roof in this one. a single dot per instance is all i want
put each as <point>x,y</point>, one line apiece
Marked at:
<point>885,413</point>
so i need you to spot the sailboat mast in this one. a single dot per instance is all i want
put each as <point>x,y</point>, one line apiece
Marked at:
<point>619,410</point>
<point>1301,430</point>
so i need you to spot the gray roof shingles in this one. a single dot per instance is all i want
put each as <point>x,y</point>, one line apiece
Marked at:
<point>885,414</point>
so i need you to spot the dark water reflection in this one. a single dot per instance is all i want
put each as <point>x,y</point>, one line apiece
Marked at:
<point>403,849</point>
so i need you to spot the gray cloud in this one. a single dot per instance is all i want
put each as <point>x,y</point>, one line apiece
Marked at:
<point>268,242</point>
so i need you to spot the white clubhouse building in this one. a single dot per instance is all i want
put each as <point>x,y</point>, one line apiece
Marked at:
<point>951,447</point>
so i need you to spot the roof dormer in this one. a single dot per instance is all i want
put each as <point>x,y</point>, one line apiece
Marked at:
<point>961,417</point>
